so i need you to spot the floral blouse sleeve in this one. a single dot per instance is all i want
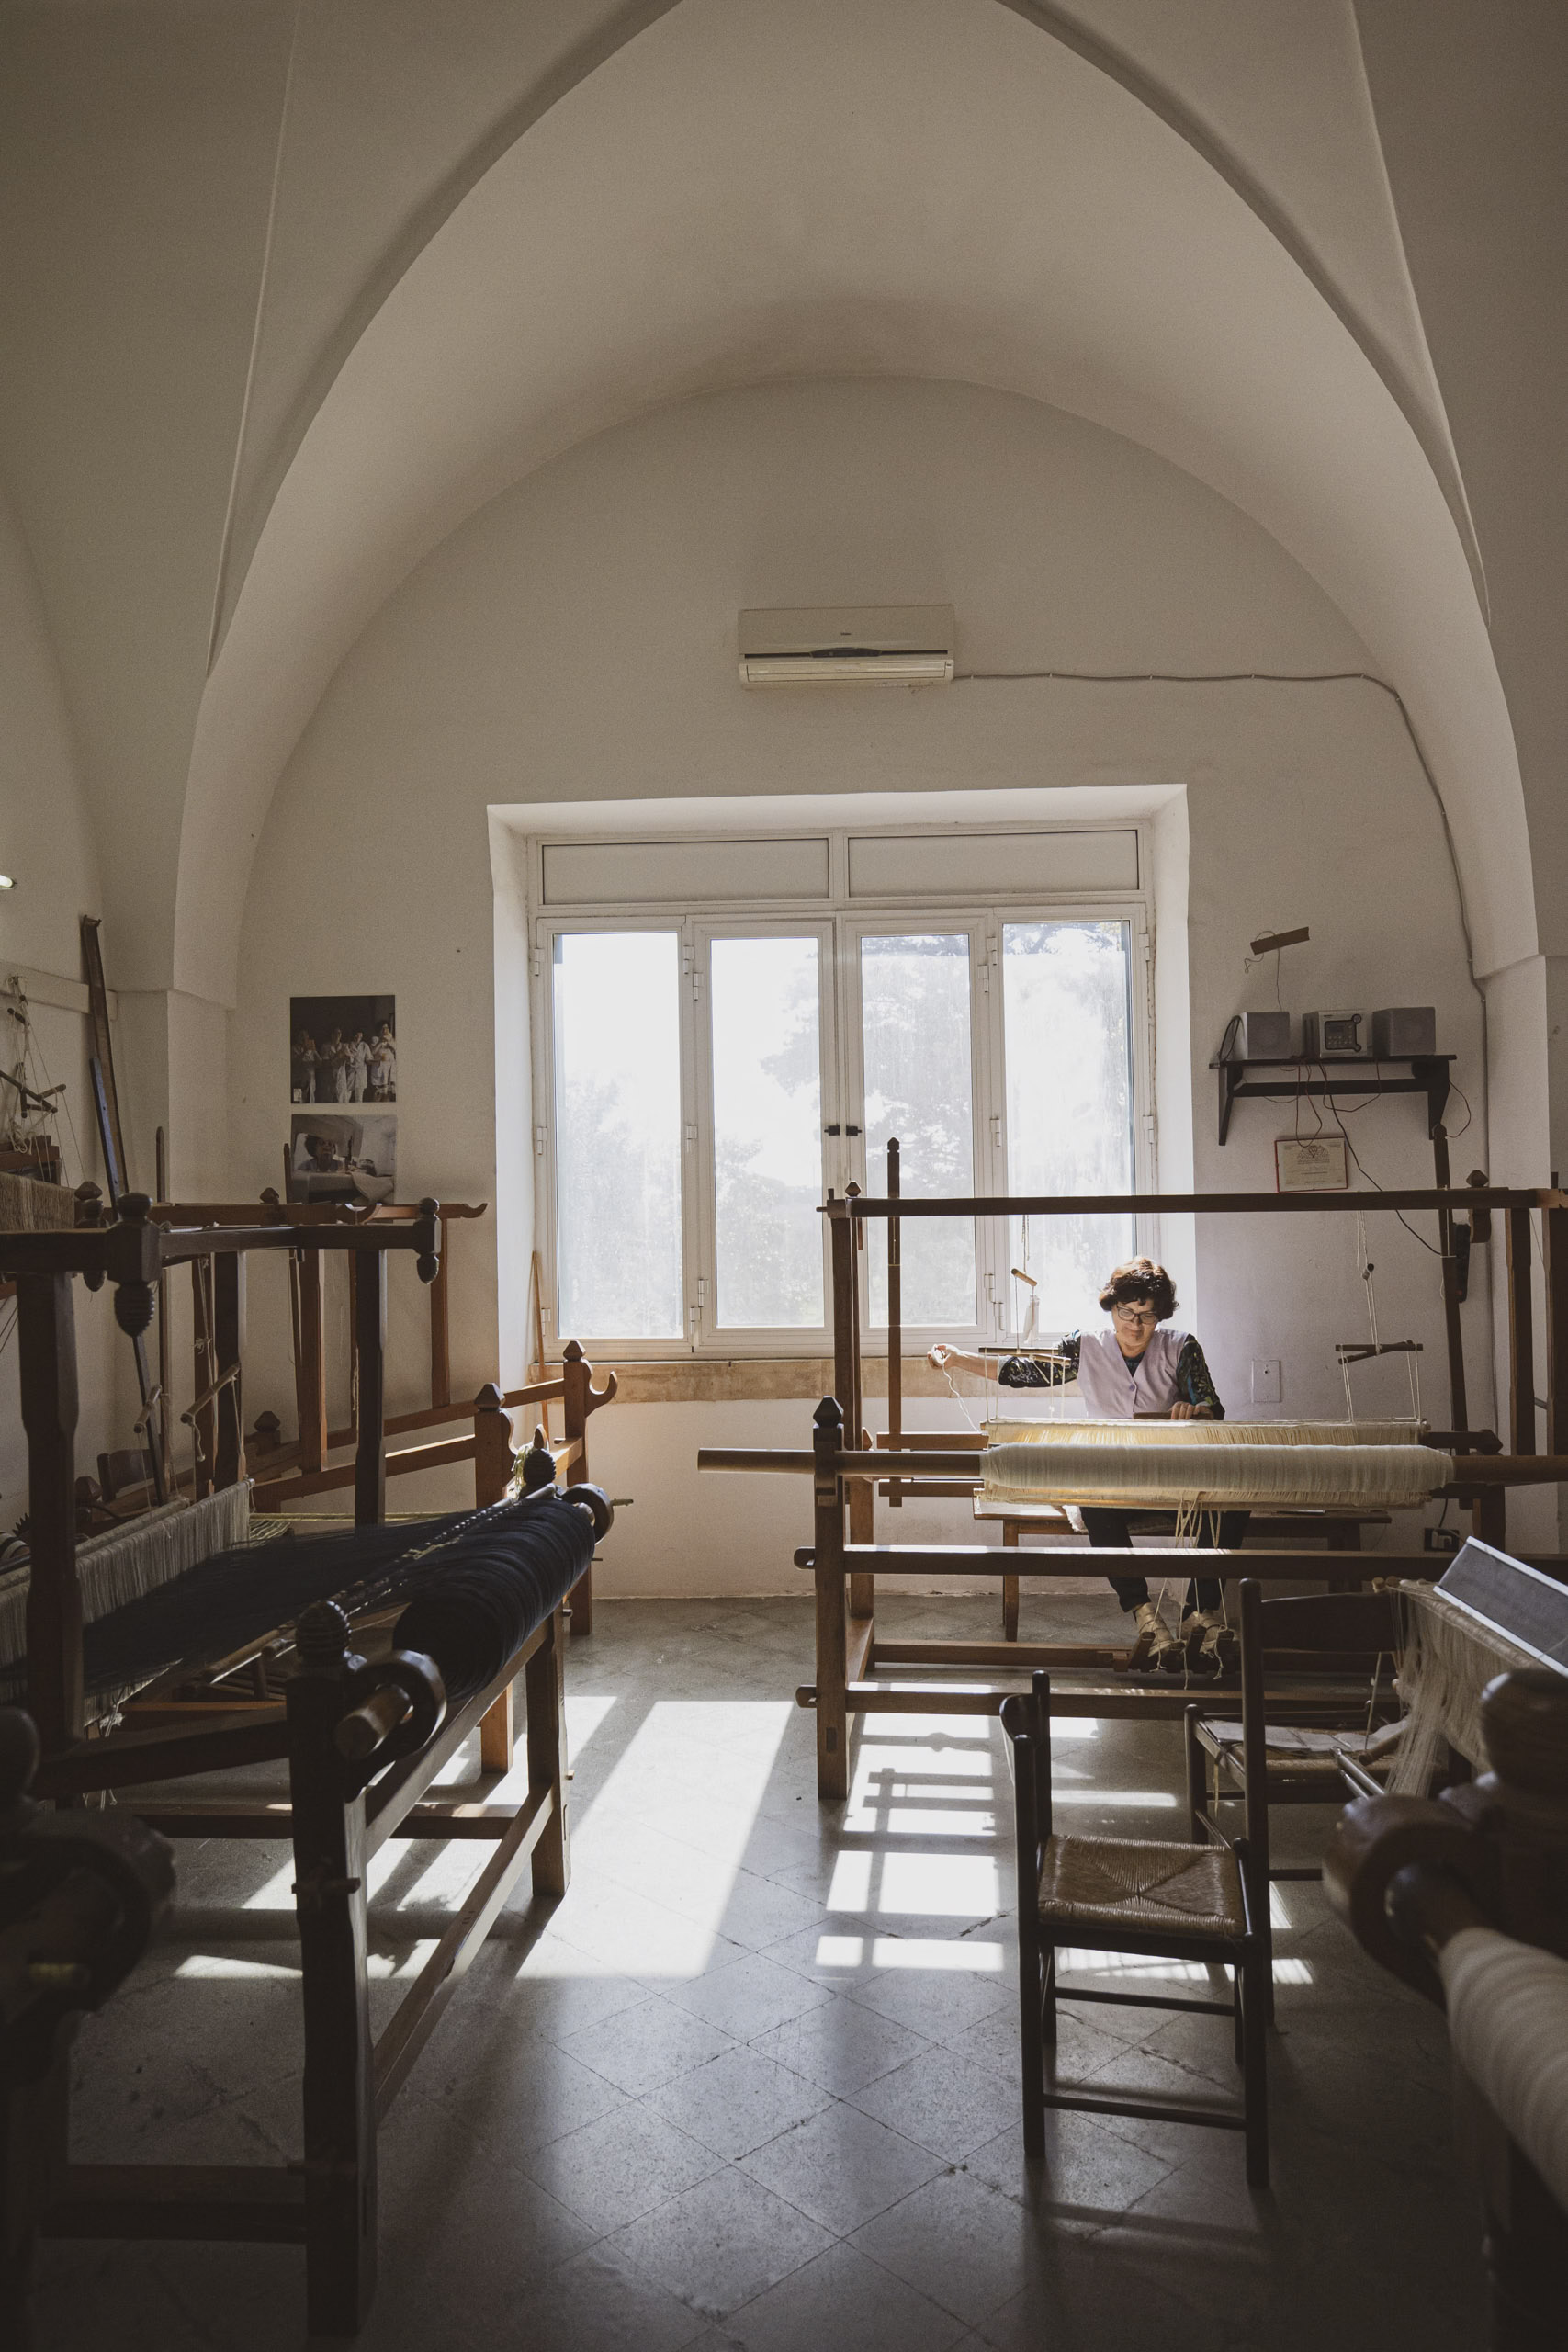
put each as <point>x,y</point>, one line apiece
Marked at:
<point>1027,1371</point>
<point>1194,1381</point>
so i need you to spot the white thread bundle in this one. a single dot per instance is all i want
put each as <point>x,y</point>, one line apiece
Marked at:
<point>1157,1432</point>
<point>125,1563</point>
<point>30,1206</point>
<point>1508,2007</point>
<point>1449,1658</point>
<point>1193,1475</point>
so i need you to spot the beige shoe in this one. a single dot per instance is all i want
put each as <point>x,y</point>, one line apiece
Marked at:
<point>1212,1645</point>
<point>1157,1645</point>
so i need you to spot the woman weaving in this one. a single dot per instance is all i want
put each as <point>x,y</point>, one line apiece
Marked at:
<point>1137,1371</point>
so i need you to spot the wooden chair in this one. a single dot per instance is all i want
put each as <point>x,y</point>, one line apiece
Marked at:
<point>1202,1902</point>
<point>1323,1646</point>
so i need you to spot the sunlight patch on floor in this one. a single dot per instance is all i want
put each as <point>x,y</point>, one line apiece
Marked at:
<point>959,1955</point>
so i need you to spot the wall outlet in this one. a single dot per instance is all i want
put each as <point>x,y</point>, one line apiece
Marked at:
<point>1266,1380</point>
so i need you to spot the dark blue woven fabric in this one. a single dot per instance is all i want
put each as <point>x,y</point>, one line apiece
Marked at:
<point>478,1583</point>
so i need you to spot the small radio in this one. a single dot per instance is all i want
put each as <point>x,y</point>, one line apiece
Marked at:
<point>1335,1036</point>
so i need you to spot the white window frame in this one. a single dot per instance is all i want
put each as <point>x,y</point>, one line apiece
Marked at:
<point>840,925</point>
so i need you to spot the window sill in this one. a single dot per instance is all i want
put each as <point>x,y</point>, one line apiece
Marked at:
<point>690,1380</point>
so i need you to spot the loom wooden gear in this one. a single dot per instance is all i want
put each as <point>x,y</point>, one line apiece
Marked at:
<point>362,1737</point>
<point>844,1564</point>
<point>1431,1890</point>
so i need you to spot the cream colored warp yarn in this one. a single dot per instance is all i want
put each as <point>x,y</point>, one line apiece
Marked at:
<point>1509,2021</point>
<point>1158,1433</point>
<point>1449,1658</point>
<point>28,1206</point>
<point>1232,1478</point>
<point>124,1562</point>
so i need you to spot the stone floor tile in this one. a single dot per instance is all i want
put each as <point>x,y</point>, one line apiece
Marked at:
<point>758,1911</point>
<point>958,2241</point>
<point>614,2170</point>
<point>939,2001</point>
<point>949,2104</point>
<point>650,2044</point>
<point>841,2302</point>
<point>599,2302</point>
<point>721,2244</point>
<point>842,2045</point>
<point>841,2166</point>
<point>1087,2175</point>
<point>748,1995</point>
<point>737,2102</point>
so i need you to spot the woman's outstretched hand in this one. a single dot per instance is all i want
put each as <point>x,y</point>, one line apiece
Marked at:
<point>1185,1412</point>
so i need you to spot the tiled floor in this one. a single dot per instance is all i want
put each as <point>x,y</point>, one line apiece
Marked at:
<point>754,2083</point>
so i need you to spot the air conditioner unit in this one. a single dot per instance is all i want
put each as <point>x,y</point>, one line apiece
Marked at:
<point>848,645</point>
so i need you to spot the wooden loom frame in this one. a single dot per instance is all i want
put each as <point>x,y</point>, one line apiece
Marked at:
<point>339,1811</point>
<point>847,1474</point>
<point>286,1472</point>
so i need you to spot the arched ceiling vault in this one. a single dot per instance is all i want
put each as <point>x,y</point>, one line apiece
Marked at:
<point>895,188</point>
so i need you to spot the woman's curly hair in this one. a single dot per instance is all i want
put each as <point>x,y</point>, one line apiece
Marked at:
<point>1138,1281</point>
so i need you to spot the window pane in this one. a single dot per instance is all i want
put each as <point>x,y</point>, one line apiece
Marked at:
<point>1069,1081</point>
<point>767,1132</point>
<point>617,1047</point>
<point>915,1013</point>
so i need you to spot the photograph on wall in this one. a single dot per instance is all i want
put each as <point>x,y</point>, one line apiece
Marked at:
<point>338,1156</point>
<point>343,1048</point>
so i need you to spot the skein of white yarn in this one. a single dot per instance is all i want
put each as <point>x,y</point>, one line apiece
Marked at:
<point>1508,2007</point>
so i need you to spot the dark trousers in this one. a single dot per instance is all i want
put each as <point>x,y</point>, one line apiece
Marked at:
<point>1113,1530</point>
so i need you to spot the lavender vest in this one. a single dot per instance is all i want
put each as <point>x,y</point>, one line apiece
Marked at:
<point>1112,1389</point>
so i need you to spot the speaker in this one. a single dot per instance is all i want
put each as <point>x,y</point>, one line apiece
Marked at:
<point>1402,1030</point>
<point>1264,1037</point>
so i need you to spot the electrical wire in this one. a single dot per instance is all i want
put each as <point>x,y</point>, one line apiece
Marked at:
<point>1271,678</point>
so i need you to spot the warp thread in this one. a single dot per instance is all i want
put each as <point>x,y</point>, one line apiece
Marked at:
<point>28,1206</point>
<point>1448,1659</point>
<point>1160,1432</point>
<point>1507,2008</point>
<point>506,1567</point>
<point>1142,1477</point>
<point>125,1563</point>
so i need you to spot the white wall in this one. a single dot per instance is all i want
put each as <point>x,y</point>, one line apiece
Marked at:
<point>575,641</point>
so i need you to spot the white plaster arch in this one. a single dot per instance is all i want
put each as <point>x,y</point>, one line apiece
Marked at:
<point>911,187</point>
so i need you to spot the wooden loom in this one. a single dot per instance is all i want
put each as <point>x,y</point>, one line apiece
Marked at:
<point>363,1744</point>
<point>847,1475</point>
<point>286,1472</point>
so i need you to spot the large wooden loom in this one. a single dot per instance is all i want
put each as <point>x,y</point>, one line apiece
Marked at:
<point>287,1472</point>
<point>363,1744</point>
<point>845,1560</point>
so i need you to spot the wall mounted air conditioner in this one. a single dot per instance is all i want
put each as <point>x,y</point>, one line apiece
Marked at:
<point>848,645</point>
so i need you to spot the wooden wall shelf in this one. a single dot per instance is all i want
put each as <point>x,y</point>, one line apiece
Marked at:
<point>1428,1076</point>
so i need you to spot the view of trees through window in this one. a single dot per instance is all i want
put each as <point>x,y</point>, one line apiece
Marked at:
<point>1069,1105</point>
<point>919,1087</point>
<point>617,1058</point>
<point>767,1133</point>
<point>711,1083</point>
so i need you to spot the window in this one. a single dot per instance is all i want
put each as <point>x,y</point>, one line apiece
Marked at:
<point>711,1076</point>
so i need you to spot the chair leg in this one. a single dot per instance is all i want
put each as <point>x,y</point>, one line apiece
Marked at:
<point>1236,2014</point>
<point>1048,2009</point>
<point>1254,1976</point>
<point>1032,2051</point>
